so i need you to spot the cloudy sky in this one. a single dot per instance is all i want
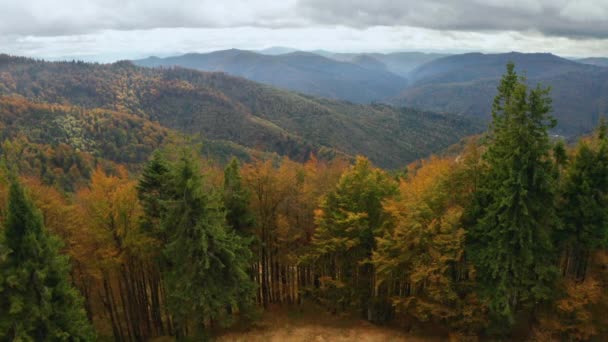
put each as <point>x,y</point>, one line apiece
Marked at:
<point>107,30</point>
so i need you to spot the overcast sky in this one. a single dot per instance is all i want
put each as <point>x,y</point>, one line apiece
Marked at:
<point>107,30</point>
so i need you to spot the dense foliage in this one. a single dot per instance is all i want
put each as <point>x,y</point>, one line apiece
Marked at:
<point>37,300</point>
<point>505,239</point>
<point>120,100</point>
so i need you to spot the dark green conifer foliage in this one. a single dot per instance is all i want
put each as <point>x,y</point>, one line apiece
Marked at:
<point>584,203</point>
<point>348,222</point>
<point>236,199</point>
<point>208,261</point>
<point>152,193</point>
<point>514,217</point>
<point>37,301</point>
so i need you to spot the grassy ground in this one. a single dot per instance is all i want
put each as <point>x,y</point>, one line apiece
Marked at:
<point>312,324</point>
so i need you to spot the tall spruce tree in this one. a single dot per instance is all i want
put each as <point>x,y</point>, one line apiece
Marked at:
<point>349,220</point>
<point>583,205</point>
<point>152,194</point>
<point>208,262</point>
<point>514,216</point>
<point>236,199</point>
<point>37,301</point>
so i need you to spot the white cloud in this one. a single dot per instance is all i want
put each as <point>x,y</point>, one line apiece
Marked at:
<point>112,29</point>
<point>111,45</point>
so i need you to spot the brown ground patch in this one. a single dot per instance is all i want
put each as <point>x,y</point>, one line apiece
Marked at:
<point>313,325</point>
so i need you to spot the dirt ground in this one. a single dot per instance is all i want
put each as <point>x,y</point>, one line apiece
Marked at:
<point>313,325</point>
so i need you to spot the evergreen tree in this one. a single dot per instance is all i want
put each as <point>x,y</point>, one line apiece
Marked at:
<point>514,217</point>
<point>152,194</point>
<point>236,199</point>
<point>348,221</point>
<point>208,263</point>
<point>583,205</point>
<point>37,301</point>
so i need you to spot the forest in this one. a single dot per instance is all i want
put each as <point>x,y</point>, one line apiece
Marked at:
<point>505,239</point>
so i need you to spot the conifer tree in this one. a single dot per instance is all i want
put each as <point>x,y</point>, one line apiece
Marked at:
<point>207,261</point>
<point>37,301</point>
<point>514,217</point>
<point>152,194</point>
<point>236,198</point>
<point>583,205</point>
<point>348,221</point>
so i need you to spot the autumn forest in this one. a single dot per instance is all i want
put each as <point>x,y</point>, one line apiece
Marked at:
<point>118,223</point>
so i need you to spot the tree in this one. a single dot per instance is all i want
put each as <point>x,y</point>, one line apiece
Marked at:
<point>420,259</point>
<point>151,193</point>
<point>208,263</point>
<point>513,216</point>
<point>37,300</point>
<point>236,199</point>
<point>583,206</point>
<point>348,221</point>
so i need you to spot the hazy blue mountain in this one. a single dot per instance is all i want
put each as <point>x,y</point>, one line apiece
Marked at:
<point>466,84</point>
<point>277,50</point>
<point>399,63</point>
<point>598,61</point>
<point>303,72</point>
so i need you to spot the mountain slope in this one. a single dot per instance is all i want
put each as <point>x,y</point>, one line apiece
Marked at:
<point>466,84</point>
<point>298,71</point>
<point>598,61</point>
<point>399,63</point>
<point>222,108</point>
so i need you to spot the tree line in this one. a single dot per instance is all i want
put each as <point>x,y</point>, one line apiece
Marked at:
<point>507,239</point>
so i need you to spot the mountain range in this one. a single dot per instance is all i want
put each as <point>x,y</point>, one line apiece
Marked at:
<point>466,84</point>
<point>303,72</point>
<point>76,103</point>
<point>460,84</point>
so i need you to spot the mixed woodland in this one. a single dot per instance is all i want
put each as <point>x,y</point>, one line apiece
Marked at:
<point>122,229</point>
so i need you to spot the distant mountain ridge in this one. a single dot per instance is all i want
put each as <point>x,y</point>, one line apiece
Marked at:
<point>598,61</point>
<point>303,72</point>
<point>399,63</point>
<point>466,84</point>
<point>234,114</point>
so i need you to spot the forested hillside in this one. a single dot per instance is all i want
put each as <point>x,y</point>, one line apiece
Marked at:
<point>234,114</point>
<point>505,240</point>
<point>460,84</point>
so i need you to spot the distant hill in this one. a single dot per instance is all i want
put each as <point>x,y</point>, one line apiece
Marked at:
<point>303,72</point>
<point>276,50</point>
<point>399,63</point>
<point>231,113</point>
<point>599,61</point>
<point>466,84</point>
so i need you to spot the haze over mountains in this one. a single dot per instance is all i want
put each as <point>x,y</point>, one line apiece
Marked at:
<point>234,115</point>
<point>466,84</point>
<point>461,84</point>
<point>299,71</point>
<point>422,103</point>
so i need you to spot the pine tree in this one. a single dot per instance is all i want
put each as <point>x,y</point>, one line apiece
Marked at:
<point>514,217</point>
<point>236,199</point>
<point>348,221</point>
<point>208,262</point>
<point>37,301</point>
<point>152,194</point>
<point>583,205</point>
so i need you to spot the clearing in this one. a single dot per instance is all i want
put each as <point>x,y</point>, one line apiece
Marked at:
<point>313,324</point>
